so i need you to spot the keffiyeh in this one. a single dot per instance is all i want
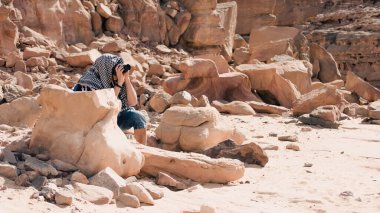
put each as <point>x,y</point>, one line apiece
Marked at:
<point>99,76</point>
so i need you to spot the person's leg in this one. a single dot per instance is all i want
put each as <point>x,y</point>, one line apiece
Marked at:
<point>131,118</point>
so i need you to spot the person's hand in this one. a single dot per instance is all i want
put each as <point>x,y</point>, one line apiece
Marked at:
<point>128,74</point>
<point>119,74</point>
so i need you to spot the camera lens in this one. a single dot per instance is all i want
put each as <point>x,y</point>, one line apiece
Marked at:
<point>126,68</point>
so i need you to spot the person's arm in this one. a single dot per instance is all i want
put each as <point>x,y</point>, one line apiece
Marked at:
<point>131,93</point>
<point>120,80</point>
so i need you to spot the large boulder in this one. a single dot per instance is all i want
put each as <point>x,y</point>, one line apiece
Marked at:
<point>327,95</point>
<point>81,128</point>
<point>60,20</point>
<point>267,42</point>
<point>22,112</point>
<point>8,32</point>
<point>83,59</point>
<point>266,78</point>
<point>325,67</point>
<point>361,87</point>
<point>194,129</point>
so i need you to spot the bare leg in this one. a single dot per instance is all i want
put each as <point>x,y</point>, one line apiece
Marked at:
<point>140,136</point>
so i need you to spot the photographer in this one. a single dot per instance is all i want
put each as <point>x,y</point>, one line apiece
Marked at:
<point>109,71</point>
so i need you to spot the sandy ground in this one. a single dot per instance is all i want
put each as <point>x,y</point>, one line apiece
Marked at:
<point>345,161</point>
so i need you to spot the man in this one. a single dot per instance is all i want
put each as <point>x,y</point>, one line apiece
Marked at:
<point>108,72</point>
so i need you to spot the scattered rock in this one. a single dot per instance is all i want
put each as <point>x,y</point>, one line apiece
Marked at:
<point>154,191</point>
<point>24,80</point>
<point>48,191</point>
<point>22,112</point>
<point>128,200</point>
<point>40,166</point>
<point>8,171</point>
<point>291,138</point>
<point>362,88</point>
<point>207,209</point>
<point>9,157</point>
<point>308,165</point>
<point>22,180</point>
<point>94,194</point>
<point>79,177</point>
<point>160,102</point>
<point>249,153</point>
<point>234,108</point>
<point>83,59</point>
<point>165,179</point>
<point>156,69</point>
<point>182,97</point>
<point>63,166</point>
<point>271,147</point>
<point>103,10</point>
<point>139,191</point>
<point>39,181</point>
<point>109,179</point>
<point>63,197</point>
<point>346,194</point>
<point>374,110</point>
<point>12,92</point>
<point>293,147</point>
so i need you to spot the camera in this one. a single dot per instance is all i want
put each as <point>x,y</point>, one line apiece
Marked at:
<point>126,68</point>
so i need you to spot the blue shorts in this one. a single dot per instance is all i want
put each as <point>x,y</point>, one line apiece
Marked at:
<point>128,118</point>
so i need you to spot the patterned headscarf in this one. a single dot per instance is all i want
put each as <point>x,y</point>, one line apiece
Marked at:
<point>99,76</point>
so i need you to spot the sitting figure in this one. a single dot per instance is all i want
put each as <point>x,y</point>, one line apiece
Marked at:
<point>109,71</point>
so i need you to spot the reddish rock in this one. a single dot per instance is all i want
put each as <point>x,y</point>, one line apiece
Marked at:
<point>114,24</point>
<point>325,67</point>
<point>103,10</point>
<point>35,52</point>
<point>234,108</point>
<point>83,59</point>
<point>362,88</point>
<point>8,33</point>
<point>24,80</point>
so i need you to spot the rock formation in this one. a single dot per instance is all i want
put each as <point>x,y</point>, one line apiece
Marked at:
<point>80,128</point>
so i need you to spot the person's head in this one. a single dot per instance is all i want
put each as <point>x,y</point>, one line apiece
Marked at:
<point>105,66</point>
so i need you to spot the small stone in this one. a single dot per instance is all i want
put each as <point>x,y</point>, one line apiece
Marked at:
<point>182,97</point>
<point>156,69</point>
<point>79,177</point>
<point>271,147</point>
<point>139,191</point>
<point>63,166</point>
<point>49,191</point>
<point>156,192</point>
<point>272,134</point>
<point>207,209</point>
<point>40,166</point>
<point>306,129</point>
<point>128,200</point>
<point>163,49</point>
<point>8,171</point>
<point>43,157</point>
<point>347,194</point>
<point>9,157</point>
<point>293,147</point>
<point>39,182</point>
<point>195,188</point>
<point>165,179</point>
<point>109,179</point>
<point>308,165</point>
<point>94,194</point>
<point>63,197</point>
<point>22,180</point>
<point>291,138</point>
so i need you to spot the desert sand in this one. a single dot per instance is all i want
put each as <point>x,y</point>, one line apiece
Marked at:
<point>344,176</point>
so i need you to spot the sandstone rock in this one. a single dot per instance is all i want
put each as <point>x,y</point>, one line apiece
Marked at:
<point>207,209</point>
<point>114,24</point>
<point>354,110</point>
<point>71,26</point>
<point>239,41</point>
<point>96,22</point>
<point>39,181</point>
<point>234,108</point>
<point>63,197</point>
<point>374,110</point>
<point>128,200</point>
<point>164,179</point>
<point>93,142</point>
<point>265,79</point>
<point>43,168</point>
<point>40,61</point>
<point>182,97</point>
<point>154,191</point>
<point>156,69</point>
<point>128,58</point>
<point>30,52</point>
<point>24,80</point>
<point>114,46</point>
<point>292,138</point>
<point>48,191</point>
<point>79,177</point>
<point>325,67</point>
<point>195,68</point>
<point>182,21</point>
<point>144,19</point>
<point>108,178</point>
<point>163,49</point>
<point>140,192</point>
<point>11,59</point>
<point>362,88</point>
<point>160,102</point>
<point>194,129</point>
<point>241,55</point>
<point>103,10</point>
<point>198,167</point>
<point>83,59</point>
<point>320,97</point>
<point>200,102</point>
<point>221,63</point>
<point>22,180</point>
<point>228,13</point>
<point>8,33</point>
<point>12,92</point>
<point>22,112</point>
<point>330,113</point>
<point>228,86</point>
<point>267,42</point>
<point>94,194</point>
<point>8,171</point>
<point>267,108</point>
<point>63,166</point>
<point>293,147</point>
<point>249,153</point>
